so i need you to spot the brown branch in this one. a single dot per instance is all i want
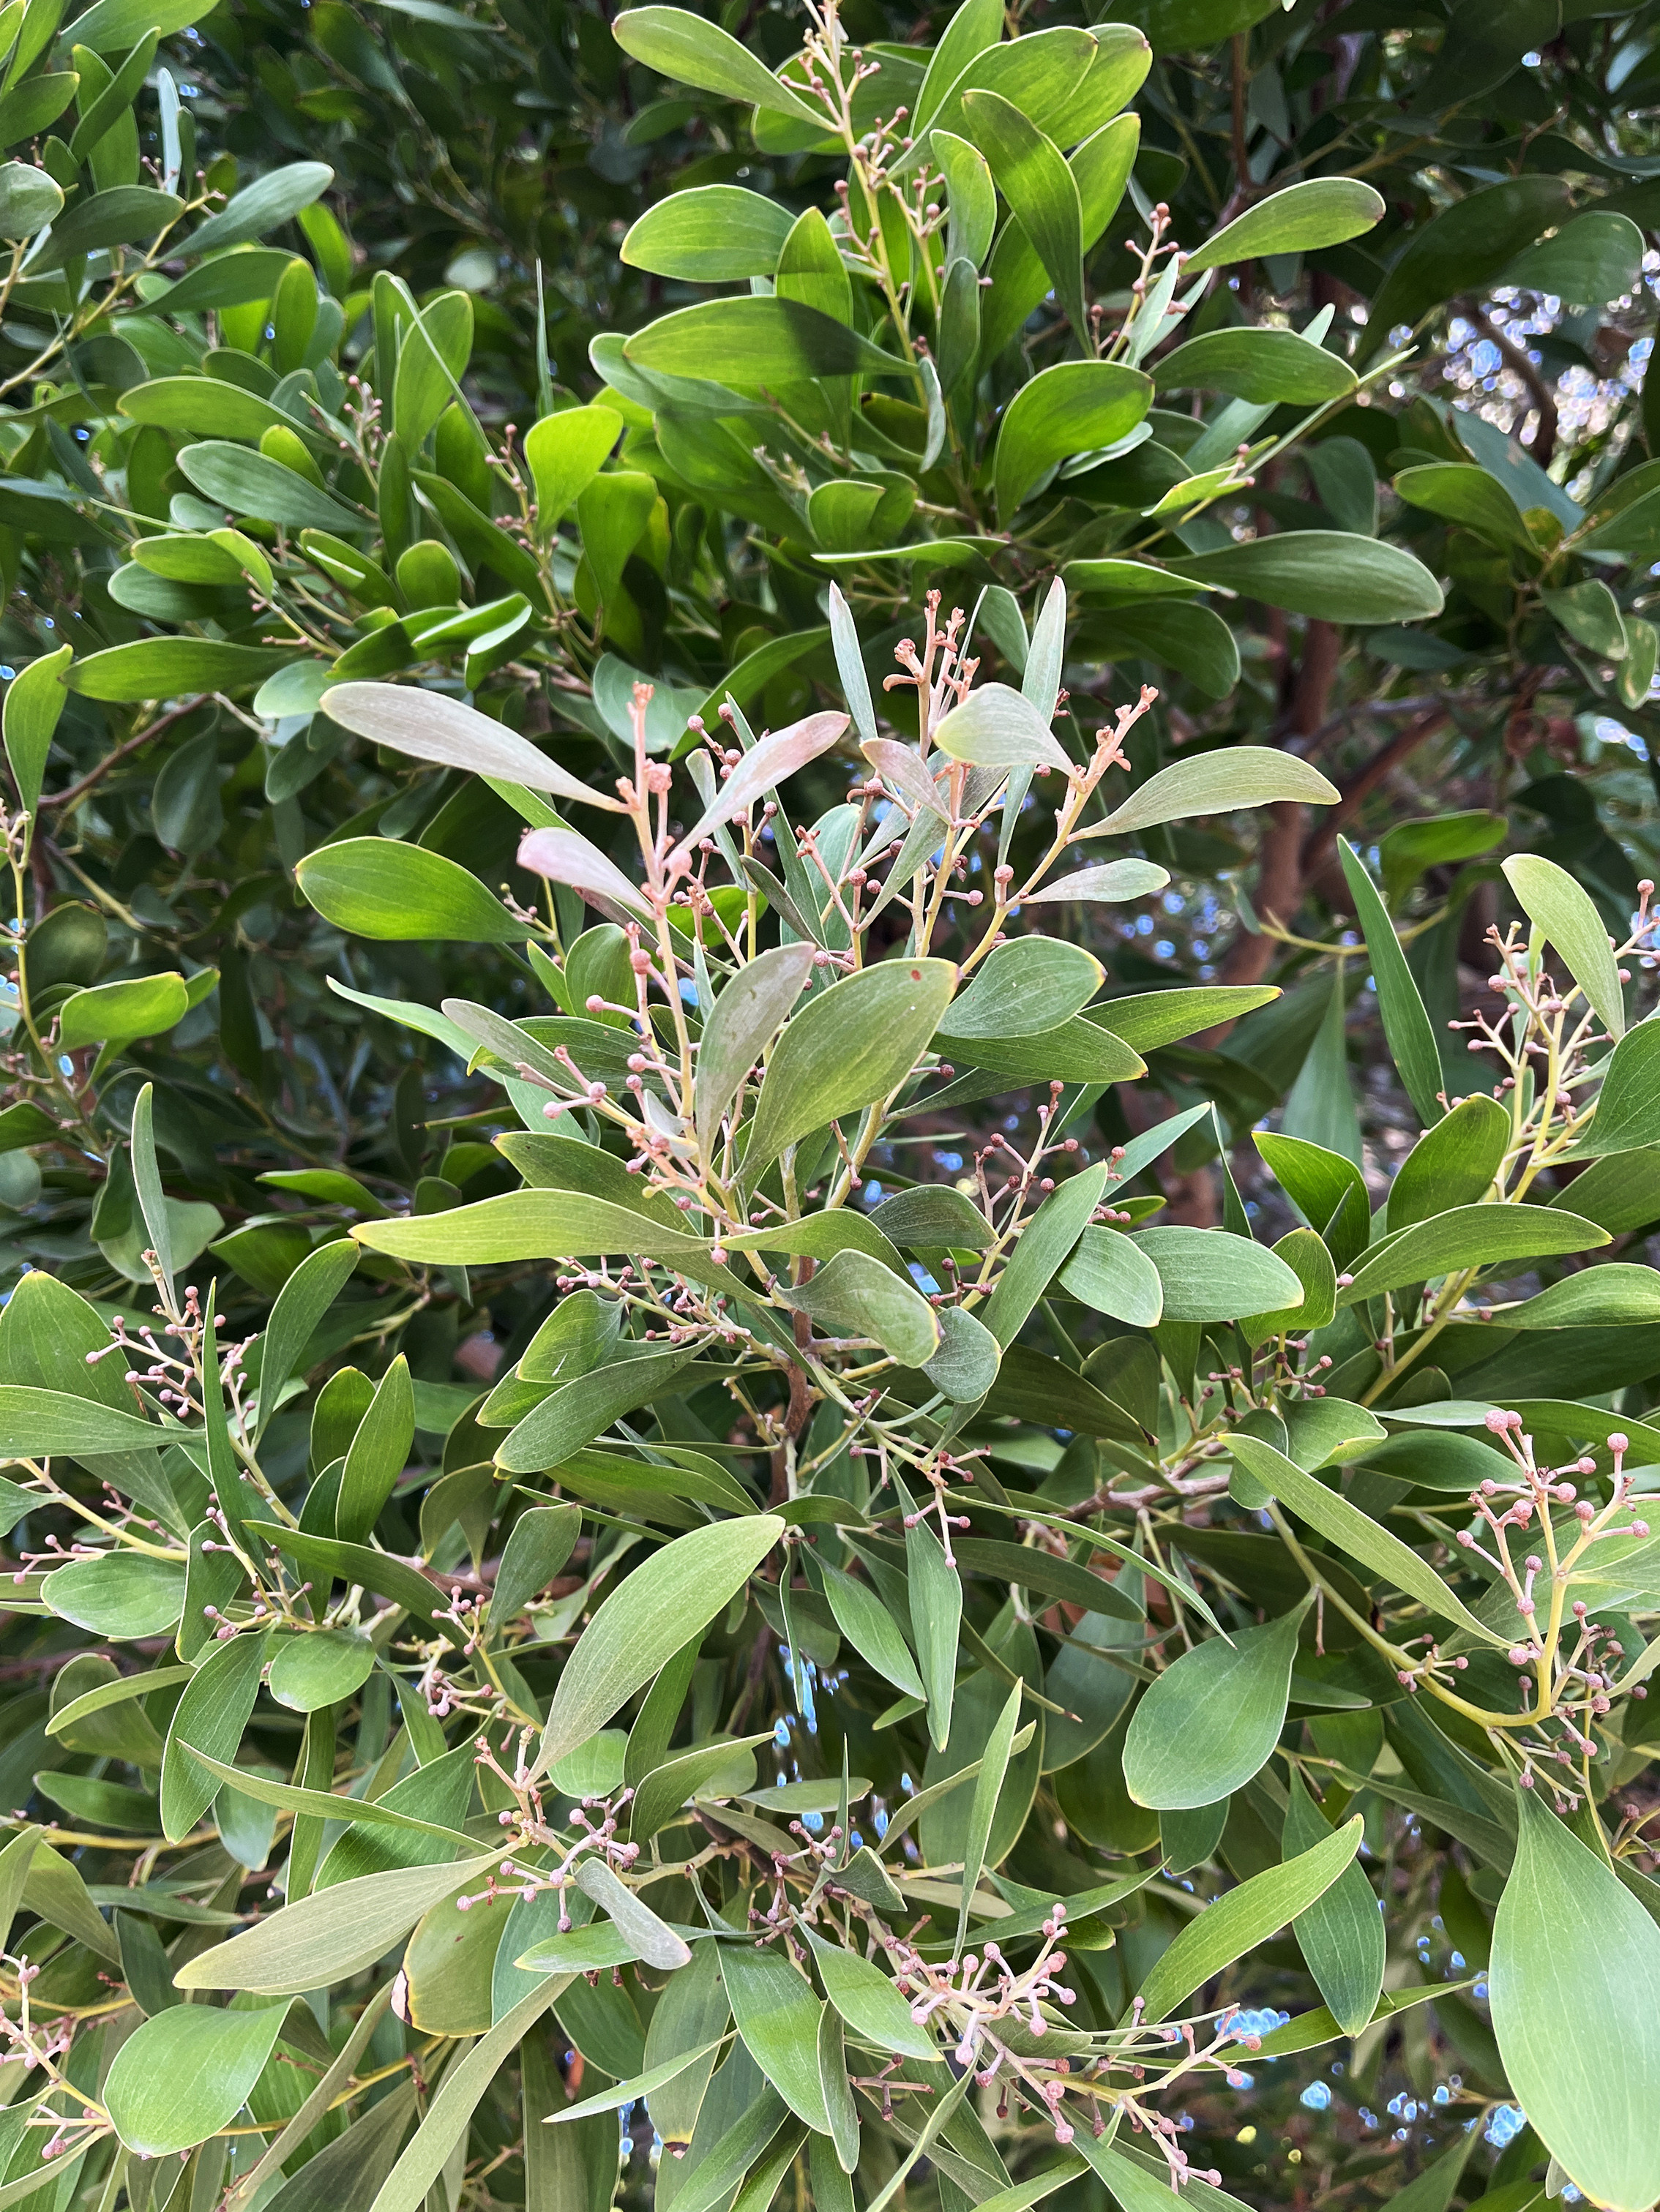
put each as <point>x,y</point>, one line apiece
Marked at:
<point>1279,874</point>
<point>127,745</point>
<point>1516,357</point>
<point>1382,765</point>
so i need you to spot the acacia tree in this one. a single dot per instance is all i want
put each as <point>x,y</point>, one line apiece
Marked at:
<point>869,1700</point>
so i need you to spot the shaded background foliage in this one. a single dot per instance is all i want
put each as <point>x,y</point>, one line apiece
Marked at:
<point>506,153</point>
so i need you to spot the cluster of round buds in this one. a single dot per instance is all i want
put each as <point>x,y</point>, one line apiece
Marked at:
<point>971,1994</point>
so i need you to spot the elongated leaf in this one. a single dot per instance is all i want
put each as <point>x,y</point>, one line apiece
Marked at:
<point>653,1940</point>
<point>996,727</point>
<point>1570,1943</point>
<point>1111,1272</point>
<point>1219,783</point>
<point>1071,408</point>
<point>543,1539</point>
<point>564,856</point>
<point>706,1768</point>
<point>1321,211</point>
<point>1342,1932</point>
<point>1209,1722</point>
<point>426,725</point>
<point>376,889</point>
<point>565,452</point>
<point>124,215</point>
<point>777,2016</point>
<point>1562,910</point>
<point>936,1600</point>
<point>577,1411</point>
<point>647,1619</point>
<point>1356,1534</point>
<point>871,1629</point>
<point>532,1225</point>
<point>270,200</point>
<point>1035,1570</point>
<point>324,1803</point>
<point>1264,365</point>
<point>1468,1237</point>
<point>210,1717</point>
<point>1454,1163</point>
<point>34,701</point>
<point>1406,1024</point>
<point>377,1454</point>
<point>327,1937</point>
<point>777,756</point>
<point>868,2002</point>
<point>1465,494</point>
<point>137,1006</point>
<point>1627,1116</point>
<point>1154,1018</point>
<point>742,1024</point>
<point>460,2095</point>
<point>318,2101</point>
<point>1033,177</point>
<point>769,341</point>
<point>853,1295</point>
<point>1244,1917</point>
<point>1082,1050</point>
<point>710,235</point>
<point>255,484</point>
<point>988,1783</point>
<point>691,50</point>
<point>120,1595</point>
<point>1209,1274</point>
<point>638,2086</point>
<point>34,1423</point>
<point>170,667</point>
<point>1042,1251</point>
<point>319,1669</point>
<point>303,1300</point>
<point>1329,574</point>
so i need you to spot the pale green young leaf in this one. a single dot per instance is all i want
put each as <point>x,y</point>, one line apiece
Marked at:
<point>1562,910</point>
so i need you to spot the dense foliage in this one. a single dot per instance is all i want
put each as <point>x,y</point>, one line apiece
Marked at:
<point>832,1103</point>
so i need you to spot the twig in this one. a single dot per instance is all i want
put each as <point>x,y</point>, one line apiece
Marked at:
<point>1517,358</point>
<point>92,775</point>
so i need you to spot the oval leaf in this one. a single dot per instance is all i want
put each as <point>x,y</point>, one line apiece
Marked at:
<point>1210,1721</point>
<point>185,2074</point>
